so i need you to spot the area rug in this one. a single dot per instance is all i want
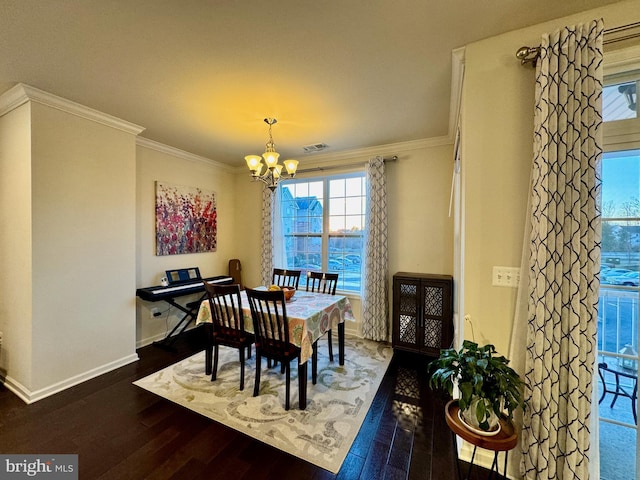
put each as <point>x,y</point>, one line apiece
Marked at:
<point>321,434</point>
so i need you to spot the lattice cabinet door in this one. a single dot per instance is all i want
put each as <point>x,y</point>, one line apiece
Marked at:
<point>422,312</point>
<point>406,313</point>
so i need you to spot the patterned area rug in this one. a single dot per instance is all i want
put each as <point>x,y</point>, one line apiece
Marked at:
<point>322,434</point>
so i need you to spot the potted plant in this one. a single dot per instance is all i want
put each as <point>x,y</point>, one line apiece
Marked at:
<point>488,386</point>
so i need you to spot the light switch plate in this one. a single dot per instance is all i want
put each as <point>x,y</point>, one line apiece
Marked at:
<point>506,276</point>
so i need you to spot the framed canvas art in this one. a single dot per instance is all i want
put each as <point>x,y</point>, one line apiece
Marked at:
<point>186,220</point>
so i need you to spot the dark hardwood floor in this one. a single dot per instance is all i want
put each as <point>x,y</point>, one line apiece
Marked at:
<point>120,431</point>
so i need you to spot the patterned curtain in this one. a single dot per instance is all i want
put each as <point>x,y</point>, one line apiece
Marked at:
<point>267,236</point>
<point>279,255</point>
<point>564,257</point>
<point>375,302</point>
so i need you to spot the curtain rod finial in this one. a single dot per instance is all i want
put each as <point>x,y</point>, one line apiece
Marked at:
<point>528,55</point>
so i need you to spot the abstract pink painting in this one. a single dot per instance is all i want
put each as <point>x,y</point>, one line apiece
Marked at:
<point>186,220</point>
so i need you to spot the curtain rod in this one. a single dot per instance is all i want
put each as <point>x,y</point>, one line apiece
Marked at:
<point>333,167</point>
<point>531,54</point>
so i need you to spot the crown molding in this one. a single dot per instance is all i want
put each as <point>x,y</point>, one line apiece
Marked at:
<point>22,93</point>
<point>391,149</point>
<point>176,152</point>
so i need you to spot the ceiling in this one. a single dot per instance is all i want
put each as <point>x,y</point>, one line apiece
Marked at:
<point>202,75</point>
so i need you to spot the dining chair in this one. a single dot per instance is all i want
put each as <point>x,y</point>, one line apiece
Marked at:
<point>271,327</point>
<point>323,283</point>
<point>226,327</point>
<point>286,278</point>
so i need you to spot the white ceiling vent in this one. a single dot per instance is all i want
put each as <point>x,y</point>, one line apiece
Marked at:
<point>316,147</point>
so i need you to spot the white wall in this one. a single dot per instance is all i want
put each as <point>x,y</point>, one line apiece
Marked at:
<point>420,229</point>
<point>83,237</point>
<point>15,244</point>
<point>78,265</point>
<point>157,162</point>
<point>248,227</point>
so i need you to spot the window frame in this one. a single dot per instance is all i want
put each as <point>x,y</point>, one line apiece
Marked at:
<point>326,235</point>
<point>621,66</point>
<point>619,135</point>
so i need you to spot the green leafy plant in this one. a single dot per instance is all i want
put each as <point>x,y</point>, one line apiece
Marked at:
<point>484,379</point>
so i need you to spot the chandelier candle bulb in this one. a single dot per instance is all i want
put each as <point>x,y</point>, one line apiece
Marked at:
<point>271,159</point>
<point>254,162</point>
<point>291,166</point>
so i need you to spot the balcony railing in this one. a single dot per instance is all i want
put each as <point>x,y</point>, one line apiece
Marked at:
<point>617,319</point>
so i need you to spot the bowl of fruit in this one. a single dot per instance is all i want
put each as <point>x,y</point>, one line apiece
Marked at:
<point>289,292</point>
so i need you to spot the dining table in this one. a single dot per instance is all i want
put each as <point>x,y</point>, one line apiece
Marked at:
<point>310,316</point>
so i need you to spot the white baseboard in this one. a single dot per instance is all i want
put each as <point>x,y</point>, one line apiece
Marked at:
<point>353,328</point>
<point>149,340</point>
<point>28,396</point>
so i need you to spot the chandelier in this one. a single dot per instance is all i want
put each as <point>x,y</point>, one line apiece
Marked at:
<point>272,174</point>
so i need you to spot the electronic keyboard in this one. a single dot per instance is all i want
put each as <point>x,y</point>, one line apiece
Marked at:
<point>157,293</point>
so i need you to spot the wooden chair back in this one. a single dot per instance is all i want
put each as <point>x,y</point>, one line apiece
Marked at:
<point>226,327</point>
<point>271,327</point>
<point>226,308</point>
<point>269,315</point>
<point>286,278</point>
<point>321,282</point>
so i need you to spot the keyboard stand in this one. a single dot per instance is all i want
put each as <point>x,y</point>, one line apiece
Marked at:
<point>169,293</point>
<point>190,313</point>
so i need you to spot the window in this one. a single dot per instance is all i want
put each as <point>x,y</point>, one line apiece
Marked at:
<point>323,222</point>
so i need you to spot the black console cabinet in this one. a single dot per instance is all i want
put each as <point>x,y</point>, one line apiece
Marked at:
<point>422,312</point>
